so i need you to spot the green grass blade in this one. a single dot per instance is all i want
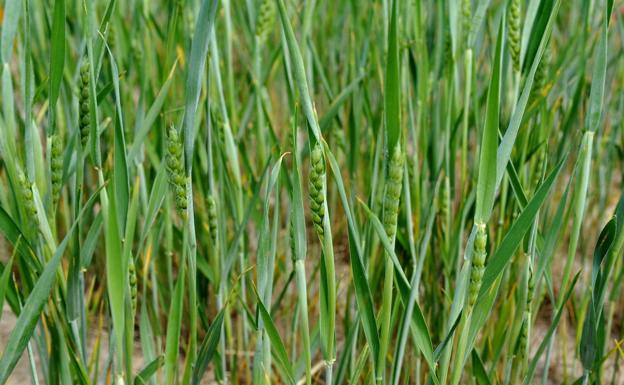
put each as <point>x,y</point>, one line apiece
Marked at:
<point>277,345</point>
<point>298,69</point>
<point>57,59</point>
<point>4,280</point>
<point>392,97</point>
<point>174,328</point>
<point>115,277</point>
<point>208,347</point>
<point>148,371</point>
<point>486,180</point>
<point>12,14</point>
<point>197,62</point>
<point>478,370</point>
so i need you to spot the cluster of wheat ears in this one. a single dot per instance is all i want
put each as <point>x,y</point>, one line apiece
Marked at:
<point>304,191</point>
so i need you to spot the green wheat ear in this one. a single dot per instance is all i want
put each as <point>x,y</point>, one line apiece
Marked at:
<point>530,289</point>
<point>444,197</point>
<point>392,197</point>
<point>291,238</point>
<point>132,280</point>
<point>466,20</point>
<point>84,114</point>
<point>211,206</point>
<point>539,84</point>
<point>478,263</point>
<point>317,188</point>
<point>523,339</point>
<point>175,167</point>
<point>56,166</point>
<point>265,19</point>
<point>26,193</point>
<point>515,30</point>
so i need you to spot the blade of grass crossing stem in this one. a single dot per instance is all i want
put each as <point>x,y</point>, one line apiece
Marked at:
<point>486,180</point>
<point>27,320</point>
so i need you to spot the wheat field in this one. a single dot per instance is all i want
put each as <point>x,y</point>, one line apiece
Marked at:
<point>312,192</point>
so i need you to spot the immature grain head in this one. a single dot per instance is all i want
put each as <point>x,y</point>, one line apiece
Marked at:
<point>478,263</point>
<point>539,83</point>
<point>515,28</point>
<point>26,193</point>
<point>137,53</point>
<point>539,168</point>
<point>265,19</point>
<point>317,188</point>
<point>445,197</point>
<point>175,167</point>
<point>291,238</point>
<point>523,339</point>
<point>448,48</point>
<point>392,196</point>
<point>84,114</point>
<point>112,39</point>
<point>219,125</point>
<point>466,19</point>
<point>211,207</point>
<point>132,280</point>
<point>56,166</point>
<point>530,289</point>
